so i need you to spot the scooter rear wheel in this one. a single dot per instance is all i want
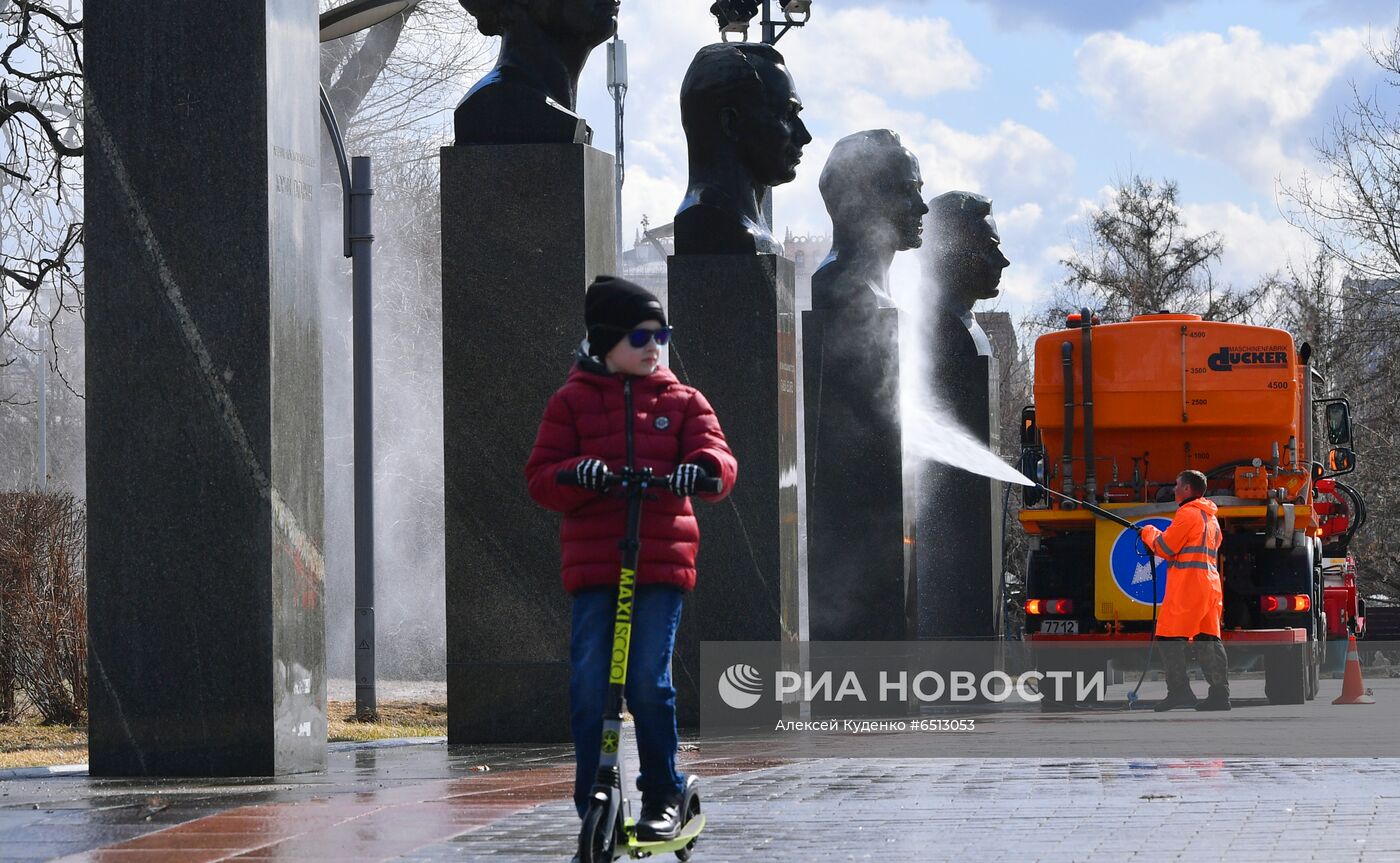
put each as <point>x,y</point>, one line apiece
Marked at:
<point>597,840</point>
<point>692,809</point>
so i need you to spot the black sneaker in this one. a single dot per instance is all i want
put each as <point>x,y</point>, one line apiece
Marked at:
<point>660,820</point>
<point>1185,698</point>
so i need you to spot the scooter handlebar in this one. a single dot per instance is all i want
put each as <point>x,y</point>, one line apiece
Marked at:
<point>703,484</point>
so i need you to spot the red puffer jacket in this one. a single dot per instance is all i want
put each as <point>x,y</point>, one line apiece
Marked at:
<point>670,423</point>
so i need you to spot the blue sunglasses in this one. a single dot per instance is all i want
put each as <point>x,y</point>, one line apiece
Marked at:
<point>639,338</point>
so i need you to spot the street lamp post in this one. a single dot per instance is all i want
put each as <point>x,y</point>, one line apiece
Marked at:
<point>41,371</point>
<point>41,319</point>
<point>734,16</point>
<point>617,86</point>
<point>356,182</point>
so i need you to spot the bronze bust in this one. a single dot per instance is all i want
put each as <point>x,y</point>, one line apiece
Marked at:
<point>531,95</point>
<point>874,192</point>
<point>964,259</point>
<point>744,135</point>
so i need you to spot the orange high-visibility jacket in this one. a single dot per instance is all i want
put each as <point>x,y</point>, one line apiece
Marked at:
<point>1191,548</point>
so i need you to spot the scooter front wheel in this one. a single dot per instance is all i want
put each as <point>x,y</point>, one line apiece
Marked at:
<point>597,840</point>
<point>692,809</point>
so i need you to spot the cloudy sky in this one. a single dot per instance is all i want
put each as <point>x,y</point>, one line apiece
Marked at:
<point>1037,104</point>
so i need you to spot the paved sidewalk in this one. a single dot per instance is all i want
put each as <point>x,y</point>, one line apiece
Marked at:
<point>426,803</point>
<point>844,809</point>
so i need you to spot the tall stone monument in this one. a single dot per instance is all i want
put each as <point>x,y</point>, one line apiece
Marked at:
<point>204,440</point>
<point>959,522</point>
<point>860,503</point>
<point>527,222</point>
<point>731,301</point>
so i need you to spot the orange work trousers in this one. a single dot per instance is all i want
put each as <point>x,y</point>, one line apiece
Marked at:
<point>1193,604</point>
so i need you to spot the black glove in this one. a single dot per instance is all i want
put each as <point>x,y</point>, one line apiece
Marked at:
<point>592,474</point>
<point>685,476</point>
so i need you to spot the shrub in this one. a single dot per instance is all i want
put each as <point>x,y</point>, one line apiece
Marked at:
<point>43,604</point>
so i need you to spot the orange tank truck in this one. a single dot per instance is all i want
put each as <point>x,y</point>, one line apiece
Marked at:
<point>1121,409</point>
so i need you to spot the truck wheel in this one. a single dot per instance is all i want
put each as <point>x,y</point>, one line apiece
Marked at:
<point>1314,659</point>
<point>1286,674</point>
<point>1318,655</point>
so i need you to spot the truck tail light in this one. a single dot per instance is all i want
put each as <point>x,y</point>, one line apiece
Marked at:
<point>1285,602</point>
<point>1049,606</point>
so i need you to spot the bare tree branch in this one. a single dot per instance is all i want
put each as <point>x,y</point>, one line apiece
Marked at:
<point>1139,257</point>
<point>41,149</point>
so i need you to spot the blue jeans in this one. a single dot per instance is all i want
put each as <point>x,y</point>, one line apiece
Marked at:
<point>656,612</point>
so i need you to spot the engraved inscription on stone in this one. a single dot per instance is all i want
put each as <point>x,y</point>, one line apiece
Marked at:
<point>293,156</point>
<point>293,187</point>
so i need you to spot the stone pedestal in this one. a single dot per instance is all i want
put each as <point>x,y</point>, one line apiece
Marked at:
<point>525,229</point>
<point>959,523</point>
<point>859,500</point>
<point>204,433</point>
<point>736,341</point>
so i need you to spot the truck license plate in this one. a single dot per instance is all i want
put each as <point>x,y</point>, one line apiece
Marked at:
<point>1060,627</point>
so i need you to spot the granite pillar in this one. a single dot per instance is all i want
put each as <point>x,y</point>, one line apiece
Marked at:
<point>860,503</point>
<point>204,430</point>
<point>525,229</point>
<point>959,522</point>
<point>736,341</point>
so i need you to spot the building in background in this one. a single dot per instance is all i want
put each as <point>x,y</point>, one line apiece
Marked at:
<point>807,252</point>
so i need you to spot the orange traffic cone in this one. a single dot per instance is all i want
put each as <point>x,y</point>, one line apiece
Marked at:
<point>1353,690</point>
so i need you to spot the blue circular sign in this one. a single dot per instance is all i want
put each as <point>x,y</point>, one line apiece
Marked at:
<point>1131,564</point>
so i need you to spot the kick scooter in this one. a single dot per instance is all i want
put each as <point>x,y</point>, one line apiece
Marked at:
<point>609,830</point>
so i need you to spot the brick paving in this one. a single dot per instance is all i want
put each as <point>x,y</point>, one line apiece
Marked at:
<point>1014,809</point>
<point>426,803</point>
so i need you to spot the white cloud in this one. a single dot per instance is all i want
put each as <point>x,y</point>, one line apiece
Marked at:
<point>1046,100</point>
<point>907,56</point>
<point>1024,217</point>
<point>847,63</point>
<point>1256,244</point>
<point>1011,161</point>
<point>1233,98</point>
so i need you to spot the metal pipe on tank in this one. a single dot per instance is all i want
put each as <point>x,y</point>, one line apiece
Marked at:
<point>1067,464</point>
<point>1087,370</point>
<point>1305,419</point>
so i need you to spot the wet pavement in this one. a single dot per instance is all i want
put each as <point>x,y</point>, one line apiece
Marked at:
<point>428,803</point>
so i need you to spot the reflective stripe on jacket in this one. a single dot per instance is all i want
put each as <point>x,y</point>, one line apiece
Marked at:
<point>1193,539</point>
<point>1193,603</point>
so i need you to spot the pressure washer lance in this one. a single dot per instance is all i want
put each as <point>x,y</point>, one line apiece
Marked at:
<point>1117,519</point>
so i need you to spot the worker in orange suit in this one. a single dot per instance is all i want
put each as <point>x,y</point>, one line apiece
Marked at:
<point>1192,606</point>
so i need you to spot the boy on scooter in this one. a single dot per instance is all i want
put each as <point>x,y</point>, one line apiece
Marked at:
<point>619,408</point>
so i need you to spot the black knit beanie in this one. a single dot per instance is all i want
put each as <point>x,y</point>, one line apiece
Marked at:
<point>612,308</point>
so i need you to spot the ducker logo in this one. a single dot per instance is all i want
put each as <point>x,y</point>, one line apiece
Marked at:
<point>740,686</point>
<point>1225,359</point>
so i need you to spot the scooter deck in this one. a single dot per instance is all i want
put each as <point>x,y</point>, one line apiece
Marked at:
<point>688,833</point>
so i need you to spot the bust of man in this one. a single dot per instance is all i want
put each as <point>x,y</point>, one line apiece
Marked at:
<point>962,265</point>
<point>874,192</point>
<point>964,259</point>
<point>744,135</point>
<point>531,95</point>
